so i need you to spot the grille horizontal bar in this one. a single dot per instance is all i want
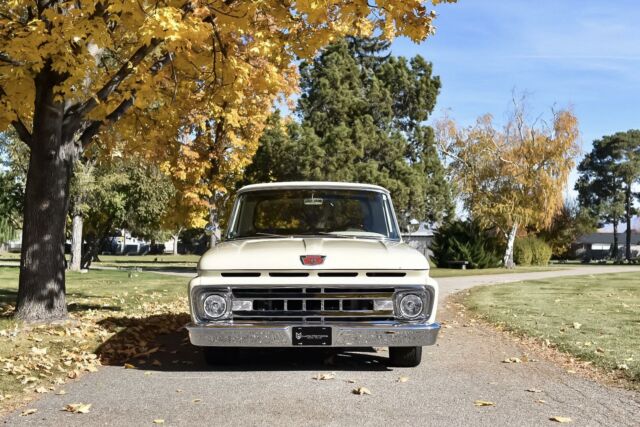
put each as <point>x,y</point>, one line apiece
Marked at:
<point>313,304</point>
<point>314,313</point>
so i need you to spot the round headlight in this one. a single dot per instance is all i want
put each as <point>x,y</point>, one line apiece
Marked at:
<point>215,306</point>
<point>411,306</point>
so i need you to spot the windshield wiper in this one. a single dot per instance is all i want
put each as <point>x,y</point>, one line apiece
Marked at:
<point>271,235</point>
<point>326,233</point>
<point>345,236</point>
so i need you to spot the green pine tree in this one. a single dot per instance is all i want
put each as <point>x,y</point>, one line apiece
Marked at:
<point>361,118</point>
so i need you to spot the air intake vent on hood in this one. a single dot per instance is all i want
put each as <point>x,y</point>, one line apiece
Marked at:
<point>288,274</point>
<point>338,274</point>
<point>386,274</point>
<point>241,274</point>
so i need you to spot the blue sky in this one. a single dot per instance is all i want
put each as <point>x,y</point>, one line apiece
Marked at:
<point>579,53</point>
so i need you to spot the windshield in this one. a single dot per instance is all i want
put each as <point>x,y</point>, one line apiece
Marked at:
<point>312,212</point>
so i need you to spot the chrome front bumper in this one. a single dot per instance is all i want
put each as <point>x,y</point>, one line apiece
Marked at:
<point>379,334</point>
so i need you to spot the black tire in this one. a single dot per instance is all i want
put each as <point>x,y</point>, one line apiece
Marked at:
<point>216,356</point>
<point>405,357</point>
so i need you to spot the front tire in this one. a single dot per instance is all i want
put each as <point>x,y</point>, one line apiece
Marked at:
<point>216,356</point>
<point>405,357</point>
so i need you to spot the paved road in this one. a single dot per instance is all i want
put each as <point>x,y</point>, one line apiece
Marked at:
<point>277,387</point>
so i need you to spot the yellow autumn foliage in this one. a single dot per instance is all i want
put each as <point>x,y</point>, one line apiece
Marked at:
<point>186,84</point>
<point>513,176</point>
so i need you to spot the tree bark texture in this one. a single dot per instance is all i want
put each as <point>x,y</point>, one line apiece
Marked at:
<point>175,238</point>
<point>215,227</point>
<point>41,293</point>
<point>627,196</point>
<point>614,250</point>
<point>76,243</point>
<point>507,261</point>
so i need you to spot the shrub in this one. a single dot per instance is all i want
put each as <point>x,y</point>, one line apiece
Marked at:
<point>465,241</point>
<point>531,251</point>
<point>522,252</point>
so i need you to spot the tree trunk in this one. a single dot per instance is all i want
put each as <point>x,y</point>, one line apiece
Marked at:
<point>175,238</point>
<point>41,292</point>
<point>627,253</point>
<point>507,261</point>
<point>94,243</point>
<point>614,250</point>
<point>76,244</point>
<point>215,227</point>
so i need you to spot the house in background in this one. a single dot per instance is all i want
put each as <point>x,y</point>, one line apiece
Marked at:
<point>420,239</point>
<point>13,245</point>
<point>598,245</point>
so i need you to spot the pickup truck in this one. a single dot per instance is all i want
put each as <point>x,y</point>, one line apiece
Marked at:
<point>313,264</point>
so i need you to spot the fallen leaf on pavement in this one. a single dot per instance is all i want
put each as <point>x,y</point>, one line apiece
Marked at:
<point>61,392</point>
<point>28,412</point>
<point>483,403</point>
<point>179,390</point>
<point>129,366</point>
<point>322,377</point>
<point>561,419</point>
<point>42,390</point>
<point>38,351</point>
<point>541,401</point>
<point>576,325</point>
<point>403,379</point>
<point>197,400</point>
<point>158,421</point>
<point>512,360</point>
<point>78,408</point>
<point>534,390</point>
<point>361,391</point>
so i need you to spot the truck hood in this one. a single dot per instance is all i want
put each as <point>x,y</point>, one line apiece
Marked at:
<point>340,254</point>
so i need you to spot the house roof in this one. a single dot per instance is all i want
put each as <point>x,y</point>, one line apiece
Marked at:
<point>600,237</point>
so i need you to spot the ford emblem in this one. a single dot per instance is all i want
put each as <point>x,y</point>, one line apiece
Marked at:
<point>312,259</point>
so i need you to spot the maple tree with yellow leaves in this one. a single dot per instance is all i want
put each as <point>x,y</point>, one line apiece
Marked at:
<point>141,73</point>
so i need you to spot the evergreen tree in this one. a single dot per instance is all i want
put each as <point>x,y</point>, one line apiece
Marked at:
<point>361,118</point>
<point>607,175</point>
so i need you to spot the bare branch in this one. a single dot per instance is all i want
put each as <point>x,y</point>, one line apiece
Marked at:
<point>94,126</point>
<point>19,126</point>
<point>22,131</point>
<point>8,60</point>
<point>79,111</point>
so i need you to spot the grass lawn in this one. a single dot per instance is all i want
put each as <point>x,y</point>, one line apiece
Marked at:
<point>456,272</point>
<point>149,261</point>
<point>595,318</point>
<point>9,256</point>
<point>113,318</point>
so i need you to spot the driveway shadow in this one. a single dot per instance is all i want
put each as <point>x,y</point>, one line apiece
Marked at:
<point>161,343</point>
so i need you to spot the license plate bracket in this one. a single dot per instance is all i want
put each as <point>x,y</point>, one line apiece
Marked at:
<point>311,335</point>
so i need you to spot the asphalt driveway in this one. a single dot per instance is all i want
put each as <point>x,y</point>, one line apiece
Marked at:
<point>278,387</point>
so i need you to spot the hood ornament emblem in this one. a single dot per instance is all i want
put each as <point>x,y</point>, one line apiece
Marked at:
<point>312,259</point>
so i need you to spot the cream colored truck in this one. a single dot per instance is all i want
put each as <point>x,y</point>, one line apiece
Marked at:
<point>313,264</point>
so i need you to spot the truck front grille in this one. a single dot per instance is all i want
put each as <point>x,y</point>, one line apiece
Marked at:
<point>313,304</point>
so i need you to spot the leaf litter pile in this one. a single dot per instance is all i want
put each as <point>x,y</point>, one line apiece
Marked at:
<point>123,328</point>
